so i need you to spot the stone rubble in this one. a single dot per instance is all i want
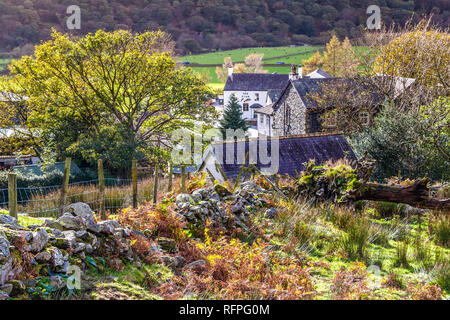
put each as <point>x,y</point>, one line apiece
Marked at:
<point>212,204</point>
<point>57,244</point>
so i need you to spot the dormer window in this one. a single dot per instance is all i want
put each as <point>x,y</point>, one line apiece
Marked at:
<point>364,118</point>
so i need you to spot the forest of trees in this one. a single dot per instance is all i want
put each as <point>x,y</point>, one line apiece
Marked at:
<point>200,25</point>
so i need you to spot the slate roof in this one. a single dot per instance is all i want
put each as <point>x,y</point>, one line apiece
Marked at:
<point>294,151</point>
<point>38,169</point>
<point>256,82</point>
<point>255,106</point>
<point>319,73</point>
<point>274,94</point>
<point>307,86</point>
<point>265,110</point>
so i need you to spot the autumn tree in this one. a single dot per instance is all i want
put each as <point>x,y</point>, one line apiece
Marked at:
<point>339,59</point>
<point>332,56</point>
<point>313,63</point>
<point>109,94</point>
<point>254,63</point>
<point>349,62</point>
<point>222,73</point>
<point>422,53</point>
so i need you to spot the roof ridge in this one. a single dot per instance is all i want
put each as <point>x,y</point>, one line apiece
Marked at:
<point>304,135</point>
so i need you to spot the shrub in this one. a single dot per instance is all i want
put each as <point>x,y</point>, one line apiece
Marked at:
<point>425,292</point>
<point>393,281</point>
<point>341,217</point>
<point>236,270</point>
<point>350,284</point>
<point>439,227</point>
<point>387,209</point>
<point>328,182</point>
<point>355,241</point>
<point>401,252</point>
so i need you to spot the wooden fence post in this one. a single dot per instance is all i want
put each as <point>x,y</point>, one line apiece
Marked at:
<point>183,179</point>
<point>155,184</point>
<point>169,187</point>
<point>65,186</point>
<point>134,181</point>
<point>12,194</point>
<point>101,189</point>
<point>238,179</point>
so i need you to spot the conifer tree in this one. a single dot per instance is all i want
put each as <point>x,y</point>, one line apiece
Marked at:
<point>232,117</point>
<point>332,56</point>
<point>349,61</point>
<point>313,63</point>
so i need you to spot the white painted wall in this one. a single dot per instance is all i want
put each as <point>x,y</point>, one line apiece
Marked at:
<point>265,126</point>
<point>246,97</point>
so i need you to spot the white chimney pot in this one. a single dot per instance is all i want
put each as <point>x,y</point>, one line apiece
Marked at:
<point>300,72</point>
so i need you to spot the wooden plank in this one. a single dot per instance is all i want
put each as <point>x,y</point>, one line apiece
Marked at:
<point>65,186</point>
<point>134,182</point>
<point>101,189</point>
<point>12,194</point>
<point>155,185</point>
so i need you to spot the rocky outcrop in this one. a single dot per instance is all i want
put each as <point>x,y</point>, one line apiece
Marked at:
<point>51,248</point>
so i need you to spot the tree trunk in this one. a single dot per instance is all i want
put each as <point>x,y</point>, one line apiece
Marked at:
<point>416,194</point>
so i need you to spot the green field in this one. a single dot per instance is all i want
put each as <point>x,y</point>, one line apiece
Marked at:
<point>272,55</point>
<point>3,63</point>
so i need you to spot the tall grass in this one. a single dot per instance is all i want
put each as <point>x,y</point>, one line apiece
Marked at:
<point>439,227</point>
<point>116,197</point>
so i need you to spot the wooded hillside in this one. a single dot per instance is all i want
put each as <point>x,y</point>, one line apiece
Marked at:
<point>199,25</point>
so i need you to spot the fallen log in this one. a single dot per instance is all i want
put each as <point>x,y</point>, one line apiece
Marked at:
<point>417,194</point>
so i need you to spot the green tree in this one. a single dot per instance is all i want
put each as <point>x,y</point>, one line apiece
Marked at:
<point>232,117</point>
<point>84,93</point>
<point>398,147</point>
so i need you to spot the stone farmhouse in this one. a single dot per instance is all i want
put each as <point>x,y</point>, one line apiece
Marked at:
<point>256,90</point>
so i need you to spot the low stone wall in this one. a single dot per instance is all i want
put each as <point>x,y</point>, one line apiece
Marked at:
<point>50,249</point>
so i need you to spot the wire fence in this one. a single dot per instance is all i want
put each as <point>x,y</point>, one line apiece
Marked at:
<point>45,201</point>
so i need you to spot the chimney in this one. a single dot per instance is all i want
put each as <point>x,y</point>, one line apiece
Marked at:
<point>300,71</point>
<point>230,71</point>
<point>293,75</point>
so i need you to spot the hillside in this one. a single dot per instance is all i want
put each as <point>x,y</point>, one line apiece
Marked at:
<point>199,25</point>
<point>273,56</point>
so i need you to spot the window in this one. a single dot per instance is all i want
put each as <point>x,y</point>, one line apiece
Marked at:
<point>245,107</point>
<point>364,118</point>
<point>330,120</point>
<point>256,96</point>
<point>268,120</point>
<point>261,118</point>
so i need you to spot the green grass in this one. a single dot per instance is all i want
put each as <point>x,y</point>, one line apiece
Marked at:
<point>240,54</point>
<point>3,63</point>
<point>237,55</point>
